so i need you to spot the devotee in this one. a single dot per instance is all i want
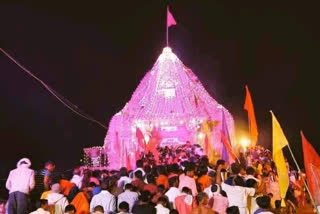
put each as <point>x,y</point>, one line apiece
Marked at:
<point>264,205</point>
<point>124,177</point>
<point>233,210</point>
<point>124,208</point>
<point>144,205</point>
<point>98,210</point>
<point>81,203</point>
<point>138,180</point>
<point>218,201</point>
<point>187,180</point>
<point>204,179</point>
<point>162,177</point>
<point>104,199</point>
<point>57,200</point>
<point>139,165</point>
<point>70,209</point>
<point>19,183</point>
<point>151,186</point>
<point>44,177</point>
<point>160,193</point>
<point>173,192</point>
<point>202,201</point>
<point>185,202</point>
<point>161,206</point>
<point>128,196</point>
<point>44,207</point>
<point>77,178</point>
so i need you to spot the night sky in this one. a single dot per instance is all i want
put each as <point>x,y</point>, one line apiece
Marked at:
<point>95,53</point>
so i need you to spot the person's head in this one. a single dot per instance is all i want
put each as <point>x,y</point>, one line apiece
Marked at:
<point>202,170</point>
<point>151,179</point>
<point>250,171</point>
<point>161,189</point>
<point>49,165</point>
<point>139,163</point>
<point>190,170</point>
<point>263,202</point>
<point>242,170</point>
<point>98,208</point>
<point>202,198</point>
<point>173,181</point>
<point>162,170</point>
<point>128,187</point>
<point>138,174</point>
<point>124,207</point>
<point>44,204</point>
<point>70,209</point>
<point>163,201</point>
<point>233,210</point>
<point>186,190</point>
<point>77,171</point>
<point>251,183</point>
<point>235,168</point>
<point>104,185</point>
<point>55,188</point>
<point>238,181</point>
<point>215,188</point>
<point>174,211</point>
<point>145,196</point>
<point>123,172</point>
<point>222,163</point>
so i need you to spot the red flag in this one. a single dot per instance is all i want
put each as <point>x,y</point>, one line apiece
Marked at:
<point>170,20</point>
<point>248,105</point>
<point>140,138</point>
<point>312,167</point>
<point>227,145</point>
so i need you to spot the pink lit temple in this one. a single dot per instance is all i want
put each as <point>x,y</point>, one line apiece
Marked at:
<point>170,104</point>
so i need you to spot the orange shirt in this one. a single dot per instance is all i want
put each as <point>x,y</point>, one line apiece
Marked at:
<point>66,186</point>
<point>163,180</point>
<point>204,181</point>
<point>80,202</point>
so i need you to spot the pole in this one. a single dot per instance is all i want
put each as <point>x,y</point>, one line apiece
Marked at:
<point>167,35</point>
<point>304,182</point>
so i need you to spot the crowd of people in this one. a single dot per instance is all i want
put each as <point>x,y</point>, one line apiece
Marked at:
<point>182,181</point>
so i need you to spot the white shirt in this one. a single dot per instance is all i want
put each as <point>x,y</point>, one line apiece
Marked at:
<point>161,209</point>
<point>40,211</point>
<point>104,199</point>
<point>172,193</point>
<point>123,181</point>
<point>237,196</point>
<point>130,197</point>
<point>59,201</point>
<point>77,180</point>
<point>21,179</point>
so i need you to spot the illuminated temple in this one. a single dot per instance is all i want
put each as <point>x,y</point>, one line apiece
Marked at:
<point>170,101</point>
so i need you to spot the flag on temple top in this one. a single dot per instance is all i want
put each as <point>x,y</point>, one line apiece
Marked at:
<point>279,141</point>
<point>248,106</point>
<point>170,19</point>
<point>312,167</point>
<point>227,153</point>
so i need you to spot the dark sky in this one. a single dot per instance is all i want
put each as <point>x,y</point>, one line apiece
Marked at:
<point>96,53</point>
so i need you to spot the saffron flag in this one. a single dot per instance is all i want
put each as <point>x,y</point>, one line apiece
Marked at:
<point>208,149</point>
<point>227,153</point>
<point>170,20</point>
<point>248,106</point>
<point>279,141</point>
<point>312,167</point>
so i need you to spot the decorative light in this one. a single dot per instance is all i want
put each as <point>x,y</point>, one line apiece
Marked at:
<point>201,135</point>
<point>245,142</point>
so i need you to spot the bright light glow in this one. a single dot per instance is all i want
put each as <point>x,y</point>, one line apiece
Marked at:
<point>201,135</point>
<point>245,142</point>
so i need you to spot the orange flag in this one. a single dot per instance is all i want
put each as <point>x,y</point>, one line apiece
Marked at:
<point>248,106</point>
<point>312,167</point>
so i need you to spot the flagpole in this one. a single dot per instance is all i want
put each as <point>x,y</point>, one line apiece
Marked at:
<point>167,35</point>
<point>304,182</point>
